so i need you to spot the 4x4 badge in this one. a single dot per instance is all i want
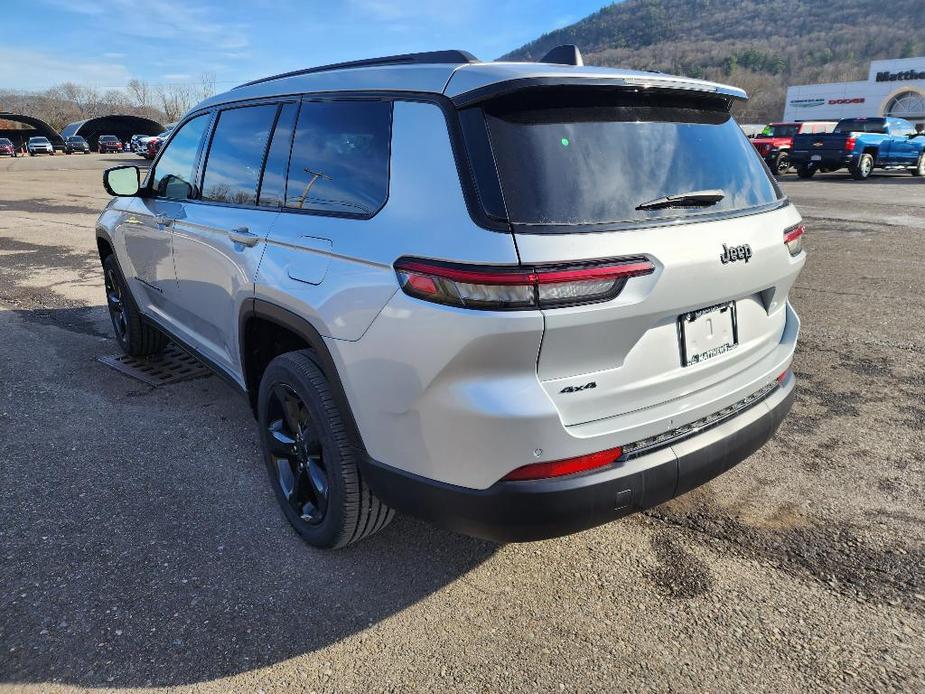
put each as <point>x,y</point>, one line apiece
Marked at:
<point>576,389</point>
<point>730,255</point>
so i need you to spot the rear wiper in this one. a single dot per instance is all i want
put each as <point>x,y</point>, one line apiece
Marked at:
<point>697,198</point>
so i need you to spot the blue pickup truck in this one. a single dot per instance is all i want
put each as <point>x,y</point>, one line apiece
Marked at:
<point>861,145</point>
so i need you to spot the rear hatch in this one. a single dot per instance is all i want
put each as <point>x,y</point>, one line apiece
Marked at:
<point>574,166</point>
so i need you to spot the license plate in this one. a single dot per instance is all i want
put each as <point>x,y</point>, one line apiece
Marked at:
<point>816,157</point>
<point>707,333</point>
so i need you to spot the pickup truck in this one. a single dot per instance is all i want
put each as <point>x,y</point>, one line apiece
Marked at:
<point>861,145</point>
<point>775,141</point>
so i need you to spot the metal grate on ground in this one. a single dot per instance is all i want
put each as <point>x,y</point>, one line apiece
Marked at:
<point>171,366</point>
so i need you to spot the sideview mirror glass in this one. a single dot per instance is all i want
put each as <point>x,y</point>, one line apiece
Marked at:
<point>122,181</point>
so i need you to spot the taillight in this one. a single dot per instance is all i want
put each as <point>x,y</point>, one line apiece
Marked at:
<point>849,143</point>
<point>517,288</point>
<point>793,239</point>
<point>569,466</point>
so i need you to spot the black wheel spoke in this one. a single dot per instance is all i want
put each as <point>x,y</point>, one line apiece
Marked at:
<point>282,445</point>
<point>290,405</point>
<point>318,478</point>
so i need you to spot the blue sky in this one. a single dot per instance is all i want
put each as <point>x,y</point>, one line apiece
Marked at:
<point>104,43</point>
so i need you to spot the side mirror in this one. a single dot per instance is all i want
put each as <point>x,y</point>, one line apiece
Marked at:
<point>123,181</point>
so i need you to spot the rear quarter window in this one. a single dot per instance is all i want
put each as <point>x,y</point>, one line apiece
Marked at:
<point>339,163</point>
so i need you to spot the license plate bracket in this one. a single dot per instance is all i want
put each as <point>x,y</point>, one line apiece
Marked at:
<point>707,333</point>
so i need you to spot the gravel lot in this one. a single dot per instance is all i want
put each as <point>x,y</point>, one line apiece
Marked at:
<point>141,545</point>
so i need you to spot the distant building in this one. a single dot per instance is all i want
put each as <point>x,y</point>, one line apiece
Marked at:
<point>893,88</point>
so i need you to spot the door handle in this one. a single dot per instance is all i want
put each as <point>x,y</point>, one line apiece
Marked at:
<point>163,220</point>
<point>243,236</point>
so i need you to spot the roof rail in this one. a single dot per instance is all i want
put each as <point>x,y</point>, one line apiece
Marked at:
<point>566,54</point>
<point>450,57</point>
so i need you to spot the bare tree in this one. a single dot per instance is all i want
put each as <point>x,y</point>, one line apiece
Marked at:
<point>140,91</point>
<point>206,85</point>
<point>176,99</point>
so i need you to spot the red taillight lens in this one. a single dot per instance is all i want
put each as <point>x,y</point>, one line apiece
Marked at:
<point>569,466</point>
<point>849,143</point>
<point>793,239</point>
<point>783,376</point>
<point>517,288</point>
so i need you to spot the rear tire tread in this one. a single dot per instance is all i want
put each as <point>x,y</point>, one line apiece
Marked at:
<point>364,514</point>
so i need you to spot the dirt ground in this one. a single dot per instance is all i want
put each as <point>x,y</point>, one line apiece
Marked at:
<point>141,545</point>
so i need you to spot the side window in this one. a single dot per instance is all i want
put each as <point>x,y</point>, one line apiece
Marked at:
<point>340,157</point>
<point>273,186</point>
<point>173,177</point>
<point>236,154</point>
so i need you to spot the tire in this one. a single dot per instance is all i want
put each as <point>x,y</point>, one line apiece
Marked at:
<point>806,171</point>
<point>781,163</point>
<point>919,168</point>
<point>136,337</point>
<point>310,458</point>
<point>862,170</point>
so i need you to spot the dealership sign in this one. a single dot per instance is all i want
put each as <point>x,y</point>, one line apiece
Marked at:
<point>904,75</point>
<point>811,103</point>
<point>806,103</point>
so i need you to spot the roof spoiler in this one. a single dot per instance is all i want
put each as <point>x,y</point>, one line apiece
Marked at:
<point>566,54</point>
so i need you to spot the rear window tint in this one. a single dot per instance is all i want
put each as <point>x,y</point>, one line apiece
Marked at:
<point>569,156</point>
<point>236,154</point>
<point>273,187</point>
<point>340,157</point>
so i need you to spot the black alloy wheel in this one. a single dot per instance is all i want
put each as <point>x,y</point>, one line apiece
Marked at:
<point>297,451</point>
<point>311,456</point>
<point>115,302</point>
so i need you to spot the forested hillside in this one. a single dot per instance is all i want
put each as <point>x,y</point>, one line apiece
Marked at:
<point>760,46</point>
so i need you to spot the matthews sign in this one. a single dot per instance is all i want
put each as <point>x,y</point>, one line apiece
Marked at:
<point>887,76</point>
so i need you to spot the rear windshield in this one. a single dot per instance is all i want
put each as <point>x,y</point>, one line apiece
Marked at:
<point>569,156</point>
<point>875,125</point>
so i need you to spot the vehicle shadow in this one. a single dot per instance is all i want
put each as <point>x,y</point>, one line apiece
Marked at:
<point>140,541</point>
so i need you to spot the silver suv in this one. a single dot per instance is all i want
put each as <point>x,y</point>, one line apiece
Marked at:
<point>515,299</point>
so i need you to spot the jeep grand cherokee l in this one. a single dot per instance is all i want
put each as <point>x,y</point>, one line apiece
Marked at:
<point>515,299</point>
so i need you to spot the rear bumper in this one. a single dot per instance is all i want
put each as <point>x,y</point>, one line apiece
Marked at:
<point>828,161</point>
<point>535,510</point>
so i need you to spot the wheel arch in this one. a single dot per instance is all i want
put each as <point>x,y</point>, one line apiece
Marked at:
<point>104,244</point>
<point>267,330</point>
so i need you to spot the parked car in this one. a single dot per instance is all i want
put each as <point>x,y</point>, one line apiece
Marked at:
<point>109,143</point>
<point>775,141</point>
<point>75,143</point>
<point>6,147</point>
<point>153,145</point>
<point>479,302</point>
<point>134,142</point>
<point>39,145</point>
<point>861,145</point>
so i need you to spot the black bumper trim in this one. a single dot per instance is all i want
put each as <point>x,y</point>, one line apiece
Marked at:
<point>540,509</point>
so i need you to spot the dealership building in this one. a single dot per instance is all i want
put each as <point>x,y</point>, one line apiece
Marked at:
<point>893,88</point>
